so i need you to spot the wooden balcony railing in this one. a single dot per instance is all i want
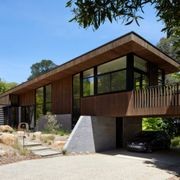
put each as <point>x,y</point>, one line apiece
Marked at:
<point>157,96</point>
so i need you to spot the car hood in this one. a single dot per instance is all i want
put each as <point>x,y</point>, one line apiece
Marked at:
<point>138,141</point>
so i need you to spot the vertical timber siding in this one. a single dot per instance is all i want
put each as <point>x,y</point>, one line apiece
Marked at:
<point>5,100</point>
<point>27,98</point>
<point>62,96</point>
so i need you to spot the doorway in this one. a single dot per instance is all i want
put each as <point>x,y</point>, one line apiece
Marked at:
<point>119,132</point>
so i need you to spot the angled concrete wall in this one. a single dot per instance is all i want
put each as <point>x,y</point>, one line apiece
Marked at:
<point>92,134</point>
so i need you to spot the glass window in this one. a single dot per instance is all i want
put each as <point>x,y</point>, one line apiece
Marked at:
<point>114,65</point>
<point>39,95</point>
<point>104,83</point>
<point>140,64</point>
<point>112,76</point>
<point>88,82</point>
<point>118,81</point>
<point>88,73</point>
<point>160,77</point>
<point>76,98</point>
<point>140,80</point>
<point>111,82</point>
<point>48,93</point>
<point>88,86</point>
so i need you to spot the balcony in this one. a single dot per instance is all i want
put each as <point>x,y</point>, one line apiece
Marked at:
<point>152,101</point>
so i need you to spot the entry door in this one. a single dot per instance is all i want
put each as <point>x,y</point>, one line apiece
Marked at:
<point>119,132</point>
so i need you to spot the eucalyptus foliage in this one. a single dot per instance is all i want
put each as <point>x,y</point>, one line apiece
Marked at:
<point>96,12</point>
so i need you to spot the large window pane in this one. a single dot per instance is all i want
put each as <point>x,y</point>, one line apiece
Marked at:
<point>88,86</point>
<point>76,98</point>
<point>76,86</point>
<point>114,65</point>
<point>88,82</point>
<point>118,81</point>
<point>140,64</point>
<point>48,93</point>
<point>88,73</point>
<point>39,95</point>
<point>104,83</point>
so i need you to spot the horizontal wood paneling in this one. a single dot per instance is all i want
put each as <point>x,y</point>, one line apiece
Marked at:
<point>62,96</point>
<point>27,98</point>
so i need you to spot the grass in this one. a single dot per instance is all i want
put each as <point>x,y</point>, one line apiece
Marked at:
<point>60,132</point>
<point>22,151</point>
<point>47,138</point>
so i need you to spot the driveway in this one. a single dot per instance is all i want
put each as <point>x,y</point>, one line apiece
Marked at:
<point>108,166</point>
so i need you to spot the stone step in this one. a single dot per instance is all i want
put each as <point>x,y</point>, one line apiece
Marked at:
<point>47,153</point>
<point>37,148</point>
<point>30,143</point>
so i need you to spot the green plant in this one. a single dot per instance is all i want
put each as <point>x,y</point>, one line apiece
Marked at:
<point>52,124</point>
<point>175,142</point>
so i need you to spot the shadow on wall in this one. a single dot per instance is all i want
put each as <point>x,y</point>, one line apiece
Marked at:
<point>64,122</point>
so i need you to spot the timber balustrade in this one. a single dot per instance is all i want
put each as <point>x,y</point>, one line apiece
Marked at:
<point>157,96</point>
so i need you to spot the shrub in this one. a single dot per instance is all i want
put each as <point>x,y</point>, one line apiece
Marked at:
<point>22,151</point>
<point>52,124</point>
<point>175,142</point>
<point>47,138</point>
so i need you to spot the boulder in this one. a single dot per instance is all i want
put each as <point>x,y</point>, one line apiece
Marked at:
<point>2,153</point>
<point>8,139</point>
<point>20,133</point>
<point>37,134</point>
<point>58,144</point>
<point>6,128</point>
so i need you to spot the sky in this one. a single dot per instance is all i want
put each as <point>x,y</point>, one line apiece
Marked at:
<point>32,30</point>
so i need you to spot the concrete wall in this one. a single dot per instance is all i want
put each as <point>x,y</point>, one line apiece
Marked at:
<point>64,121</point>
<point>131,126</point>
<point>92,134</point>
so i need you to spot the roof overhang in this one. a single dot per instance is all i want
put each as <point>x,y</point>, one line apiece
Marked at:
<point>129,43</point>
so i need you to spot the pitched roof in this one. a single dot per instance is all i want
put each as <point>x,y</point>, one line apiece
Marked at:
<point>127,43</point>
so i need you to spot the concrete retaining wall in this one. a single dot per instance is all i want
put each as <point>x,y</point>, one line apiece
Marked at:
<point>64,122</point>
<point>92,134</point>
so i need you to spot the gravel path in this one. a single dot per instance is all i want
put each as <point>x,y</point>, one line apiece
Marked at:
<point>83,167</point>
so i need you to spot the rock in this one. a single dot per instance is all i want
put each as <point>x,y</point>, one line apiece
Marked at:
<point>58,144</point>
<point>6,128</point>
<point>20,133</point>
<point>8,139</point>
<point>2,153</point>
<point>37,134</point>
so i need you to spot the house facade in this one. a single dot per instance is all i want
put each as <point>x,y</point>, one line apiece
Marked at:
<point>120,82</point>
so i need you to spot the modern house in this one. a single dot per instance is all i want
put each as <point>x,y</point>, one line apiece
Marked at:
<point>107,91</point>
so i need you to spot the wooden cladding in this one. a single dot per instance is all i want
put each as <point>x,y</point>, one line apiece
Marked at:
<point>27,98</point>
<point>153,101</point>
<point>62,96</point>
<point>157,96</point>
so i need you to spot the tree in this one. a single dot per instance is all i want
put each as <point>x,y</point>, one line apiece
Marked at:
<point>96,12</point>
<point>4,86</point>
<point>41,67</point>
<point>170,46</point>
